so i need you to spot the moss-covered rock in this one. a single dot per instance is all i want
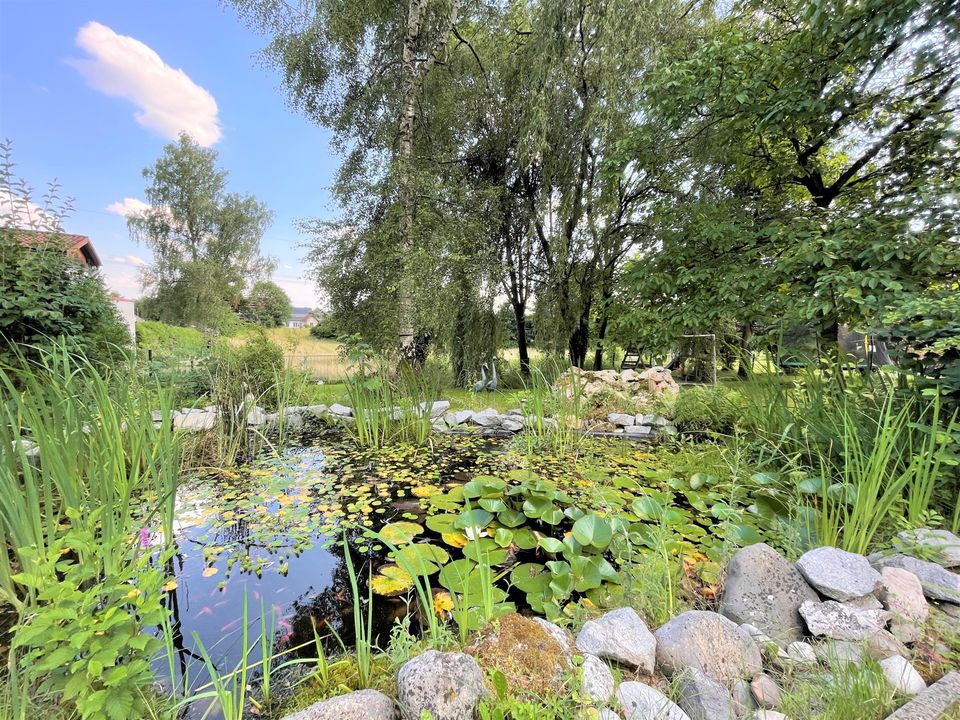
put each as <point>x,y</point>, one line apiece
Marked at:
<point>531,659</point>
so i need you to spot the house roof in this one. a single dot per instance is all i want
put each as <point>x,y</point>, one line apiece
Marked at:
<point>299,312</point>
<point>78,246</point>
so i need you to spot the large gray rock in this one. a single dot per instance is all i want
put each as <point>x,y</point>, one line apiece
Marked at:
<point>902,676</point>
<point>621,636</point>
<point>763,589</point>
<point>840,652</point>
<point>512,424</point>
<point>703,698</point>
<point>638,431</point>
<point>902,594</point>
<point>801,653</point>
<point>598,684</point>
<point>841,622</point>
<point>940,701</point>
<point>437,407</point>
<point>937,582</point>
<point>195,420</point>
<point>458,417</point>
<point>448,685</point>
<point>883,644</point>
<point>341,410</point>
<point>708,642</point>
<point>943,543</point>
<point>642,702</point>
<point>488,418</point>
<point>621,419</point>
<point>838,574</point>
<point>743,702</point>
<point>359,705</point>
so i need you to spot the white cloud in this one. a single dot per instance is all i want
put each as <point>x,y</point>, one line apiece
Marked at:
<point>124,281</point>
<point>169,101</point>
<point>129,260</point>
<point>128,207</point>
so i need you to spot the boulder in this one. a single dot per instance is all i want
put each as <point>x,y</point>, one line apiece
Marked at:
<point>708,642</point>
<point>937,582</point>
<point>743,701</point>
<point>934,703</point>
<point>867,602</point>
<point>841,622</point>
<point>529,656</point>
<point>841,652</point>
<point>638,431</point>
<point>801,653</point>
<point>902,676</point>
<point>703,698</point>
<point>621,419</point>
<point>458,417</point>
<point>765,691</point>
<point>621,636</point>
<point>511,424</point>
<point>838,574</point>
<point>195,420</point>
<point>488,418</point>
<point>341,410</point>
<point>437,407</point>
<point>642,702</point>
<point>359,705</point>
<point>447,685</point>
<point>883,644</point>
<point>763,589</point>
<point>902,594</point>
<point>598,684</point>
<point>943,543</point>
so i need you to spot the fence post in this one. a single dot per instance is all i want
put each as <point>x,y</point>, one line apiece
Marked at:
<point>149,354</point>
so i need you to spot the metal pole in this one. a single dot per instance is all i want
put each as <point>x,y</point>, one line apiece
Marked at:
<point>713,335</point>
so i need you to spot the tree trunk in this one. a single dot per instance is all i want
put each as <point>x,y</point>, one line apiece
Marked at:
<point>580,339</point>
<point>746,360</point>
<point>605,296</point>
<point>520,315</point>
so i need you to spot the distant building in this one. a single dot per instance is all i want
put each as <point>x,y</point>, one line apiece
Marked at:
<point>127,311</point>
<point>78,246</point>
<point>301,317</point>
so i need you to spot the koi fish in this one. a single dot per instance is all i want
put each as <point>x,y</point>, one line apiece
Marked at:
<point>205,611</point>
<point>229,625</point>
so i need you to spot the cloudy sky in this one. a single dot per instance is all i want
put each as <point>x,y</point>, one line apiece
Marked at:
<point>91,91</point>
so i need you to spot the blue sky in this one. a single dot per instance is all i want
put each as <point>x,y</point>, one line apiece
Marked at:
<point>91,91</point>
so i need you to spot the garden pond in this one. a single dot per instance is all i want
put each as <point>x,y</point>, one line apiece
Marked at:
<point>548,533</point>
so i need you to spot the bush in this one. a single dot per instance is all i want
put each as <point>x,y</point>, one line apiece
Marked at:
<point>707,409</point>
<point>251,367</point>
<point>169,341</point>
<point>46,294</point>
<point>325,329</point>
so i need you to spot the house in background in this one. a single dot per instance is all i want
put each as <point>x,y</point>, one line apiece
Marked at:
<point>81,248</point>
<point>301,317</point>
<point>77,246</point>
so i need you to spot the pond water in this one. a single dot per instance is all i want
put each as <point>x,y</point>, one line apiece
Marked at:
<point>272,535</point>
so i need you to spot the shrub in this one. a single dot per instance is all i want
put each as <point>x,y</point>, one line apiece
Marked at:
<point>169,341</point>
<point>707,409</point>
<point>251,367</point>
<point>46,294</point>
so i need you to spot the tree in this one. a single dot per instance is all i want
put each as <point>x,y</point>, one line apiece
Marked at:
<point>811,168</point>
<point>205,241</point>
<point>45,294</point>
<point>266,304</point>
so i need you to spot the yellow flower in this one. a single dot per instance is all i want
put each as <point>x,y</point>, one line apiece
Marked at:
<point>132,594</point>
<point>442,602</point>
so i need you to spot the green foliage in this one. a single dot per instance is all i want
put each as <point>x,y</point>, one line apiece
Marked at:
<point>87,641</point>
<point>251,367</point>
<point>169,341</point>
<point>326,328</point>
<point>205,241</point>
<point>266,304</point>
<point>707,409</point>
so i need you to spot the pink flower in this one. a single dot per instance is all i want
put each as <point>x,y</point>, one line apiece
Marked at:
<point>144,537</point>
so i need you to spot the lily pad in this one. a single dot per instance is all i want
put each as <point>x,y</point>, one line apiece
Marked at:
<point>592,530</point>
<point>400,533</point>
<point>391,580</point>
<point>421,558</point>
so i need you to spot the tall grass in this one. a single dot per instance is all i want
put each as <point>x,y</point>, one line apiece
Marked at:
<point>83,441</point>
<point>389,409</point>
<point>552,417</point>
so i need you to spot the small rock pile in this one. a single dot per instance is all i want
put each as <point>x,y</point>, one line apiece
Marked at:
<point>831,606</point>
<point>629,385</point>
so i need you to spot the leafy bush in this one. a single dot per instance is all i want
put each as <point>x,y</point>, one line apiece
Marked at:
<point>46,294</point>
<point>707,409</point>
<point>169,341</point>
<point>249,368</point>
<point>325,329</point>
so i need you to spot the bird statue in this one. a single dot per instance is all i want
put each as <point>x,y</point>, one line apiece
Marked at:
<point>481,384</point>
<point>492,385</point>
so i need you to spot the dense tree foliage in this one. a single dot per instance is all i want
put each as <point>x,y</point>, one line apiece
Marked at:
<point>205,241</point>
<point>809,161</point>
<point>646,170</point>
<point>266,304</point>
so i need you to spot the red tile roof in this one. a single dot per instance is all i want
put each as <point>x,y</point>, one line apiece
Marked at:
<point>78,246</point>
